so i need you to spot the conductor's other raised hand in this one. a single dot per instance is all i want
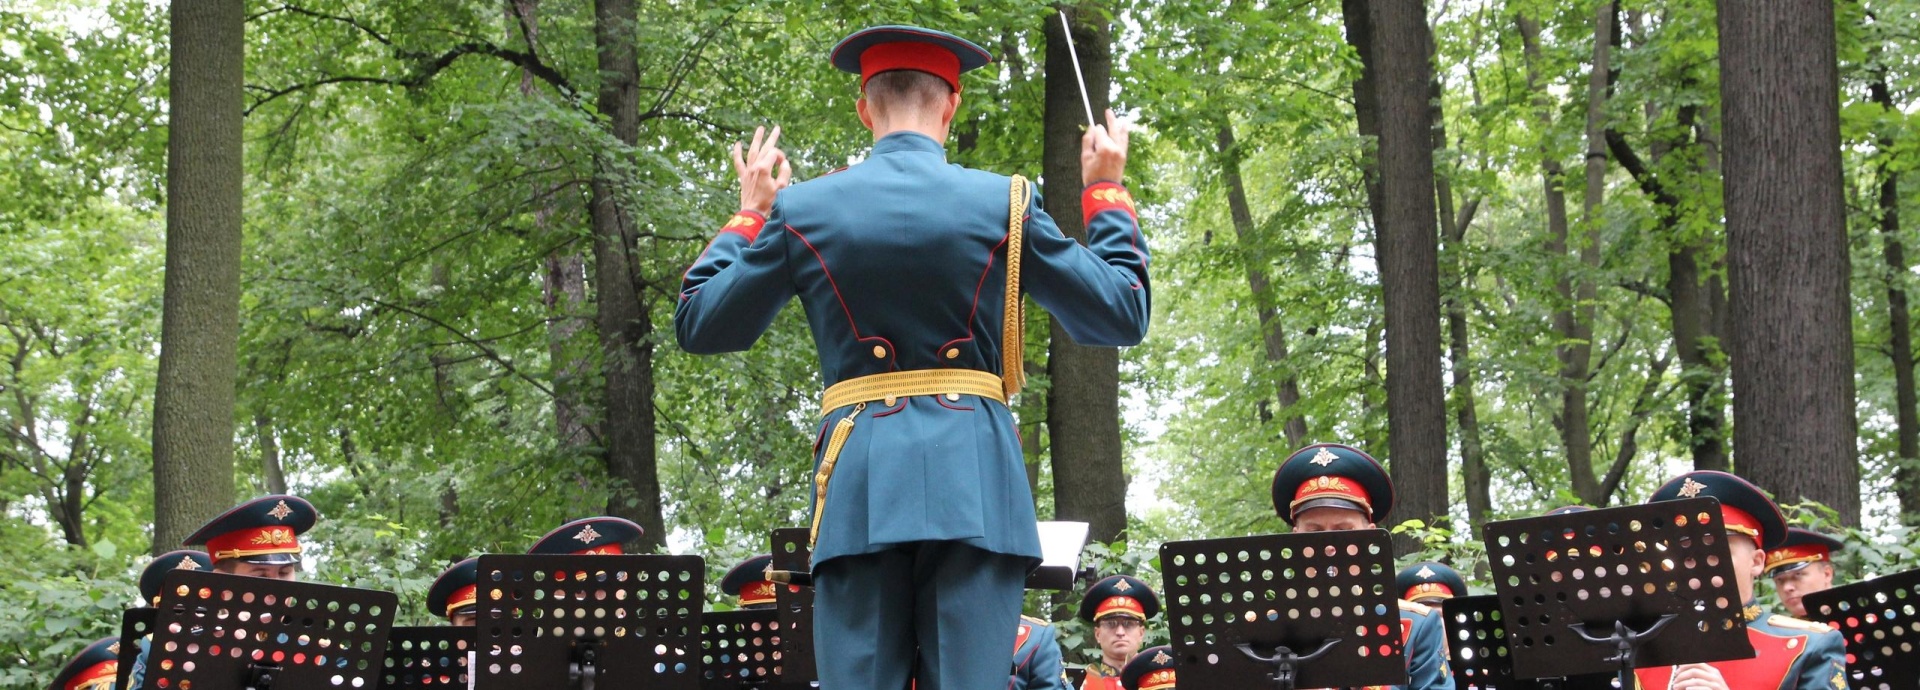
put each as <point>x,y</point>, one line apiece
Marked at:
<point>763,170</point>
<point>1103,151</point>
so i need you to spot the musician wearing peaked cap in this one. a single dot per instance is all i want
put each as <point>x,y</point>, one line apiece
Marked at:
<point>1790,654</point>
<point>594,536</point>
<point>907,268</point>
<point>747,580</point>
<point>1430,583</point>
<point>1330,487</point>
<point>1151,669</point>
<point>1119,607</point>
<point>455,595</point>
<point>92,669</point>
<point>1801,565</point>
<point>156,571</point>
<point>259,538</point>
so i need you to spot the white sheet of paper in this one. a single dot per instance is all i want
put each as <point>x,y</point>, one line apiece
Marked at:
<point>1061,543</point>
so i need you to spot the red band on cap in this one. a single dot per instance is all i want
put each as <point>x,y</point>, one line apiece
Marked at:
<point>1803,553</point>
<point>1105,196</point>
<point>101,674</point>
<point>1157,680</point>
<point>1328,486</point>
<point>462,598</point>
<point>1122,606</point>
<point>256,541</point>
<point>1741,522</point>
<point>1428,590</point>
<point>912,55</point>
<point>761,592</point>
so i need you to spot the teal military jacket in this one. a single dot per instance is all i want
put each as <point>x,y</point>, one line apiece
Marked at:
<point>1037,663</point>
<point>1426,648</point>
<point>899,263</point>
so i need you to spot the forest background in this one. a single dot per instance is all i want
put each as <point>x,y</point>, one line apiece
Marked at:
<point>415,260</point>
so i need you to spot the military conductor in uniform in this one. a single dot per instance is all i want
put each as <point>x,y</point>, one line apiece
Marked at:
<point>923,521</point>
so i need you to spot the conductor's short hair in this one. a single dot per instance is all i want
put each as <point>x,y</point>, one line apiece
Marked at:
<point>907,89</point>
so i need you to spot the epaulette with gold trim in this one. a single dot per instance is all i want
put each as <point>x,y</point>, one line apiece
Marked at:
<point>1791,623</point>
<point>1411,607</point>
<point>1035,621</point>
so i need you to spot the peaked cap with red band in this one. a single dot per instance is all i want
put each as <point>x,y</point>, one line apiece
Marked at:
<point>748,580</point>
<point>1119,595</point>
<point>457,590</point>
<point>264,530</point>
<point>1803,547</point>
<point>1151,669</point>
<point>880,49</point>
<point>1332,475</point>
<point>1743,507</point>
<point>151,576</point>
<point>92,669</point>
<point>1429,582</point>
<point>594,536</point>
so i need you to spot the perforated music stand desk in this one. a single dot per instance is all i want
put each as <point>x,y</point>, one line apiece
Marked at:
<point>433,656</point>
<point>740,649</point>
<point>134,624</point>
<point>626,621</point>
<point>1880,618</point>
<point>1616,574</point>
<point>1324,596</point>
<point>1478,655</point>
<point>791,552</point>
<point>225,632</point>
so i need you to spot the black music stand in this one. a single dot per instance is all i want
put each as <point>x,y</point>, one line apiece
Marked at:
<point>135,624</point>
<point>586,622</point>
<point>433,656</point>
<point>740,649</point>
<point>1478,655</point>
<point>1877,618</point>
<point>1608,591</point>
<point>1076,677</point>
<point>791,553</point>
<point>222,632</point>
<point>1285,611</point>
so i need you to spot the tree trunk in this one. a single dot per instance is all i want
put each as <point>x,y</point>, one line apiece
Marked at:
<point>1273,336</point>
<point>1899,321</point>
<point>1787,261</point>
<point>1575,320</point>
<point>625,324</point>
<point>1407,245</point>
<point>193,400</point>
<point>1454,222</point>
<point>1083,404</point>
<point>270,464</point>
<point>1366,102</point>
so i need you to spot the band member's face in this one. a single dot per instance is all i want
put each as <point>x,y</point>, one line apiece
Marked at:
<point>1748,562</point>
<point>1791,586</point>
<point>1330,519</point>
<point>289,572</point>
<point>463,619</point>
<point>1119,636</point>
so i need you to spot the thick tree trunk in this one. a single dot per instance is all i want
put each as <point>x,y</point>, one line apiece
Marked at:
<point>193,398</point>
<point>1407,244</point>
<point>1273,335</point>
<point>625,324</point>
<point>1083,404</point>
<point>1899,322</point>
<point>1787,258</point>
<point>1366,101</point>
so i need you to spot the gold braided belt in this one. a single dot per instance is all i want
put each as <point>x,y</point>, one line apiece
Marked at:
<point>891,386</point>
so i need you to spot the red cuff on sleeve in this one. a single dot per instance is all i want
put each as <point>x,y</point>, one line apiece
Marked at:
<point>747,224</point>
<point>1105,196</point>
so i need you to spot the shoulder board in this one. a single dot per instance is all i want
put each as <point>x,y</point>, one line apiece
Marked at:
<point>1035,621</point>
<point>1411,607</point>
<point>1791,623</point>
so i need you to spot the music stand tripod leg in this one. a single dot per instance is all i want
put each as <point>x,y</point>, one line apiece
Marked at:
<point>1286,664</point>
<point>1626,643</point>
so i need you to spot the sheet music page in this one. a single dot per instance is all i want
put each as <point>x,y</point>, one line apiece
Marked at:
<point>1061,543</point>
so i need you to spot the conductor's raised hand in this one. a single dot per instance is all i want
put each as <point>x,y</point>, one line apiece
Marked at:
<point>763,170</point>
<point>1103,151</point>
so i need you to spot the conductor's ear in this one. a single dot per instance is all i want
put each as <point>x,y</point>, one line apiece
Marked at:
<point>866,112</point>
<point>952,109</point>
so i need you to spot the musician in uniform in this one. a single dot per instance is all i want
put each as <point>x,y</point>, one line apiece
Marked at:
<point>455,595</point>
<point>1429,583</point>
<point>1802,565</point>
<point>1330,487</point>
<point>91,669</point>
<point>903,264</point>
<point>1151,669</point>
<point>1036,657</point>
<point>1790,654</point>
<point>747,582</point>
<point>1118,607</point>
<point>594,536</point>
